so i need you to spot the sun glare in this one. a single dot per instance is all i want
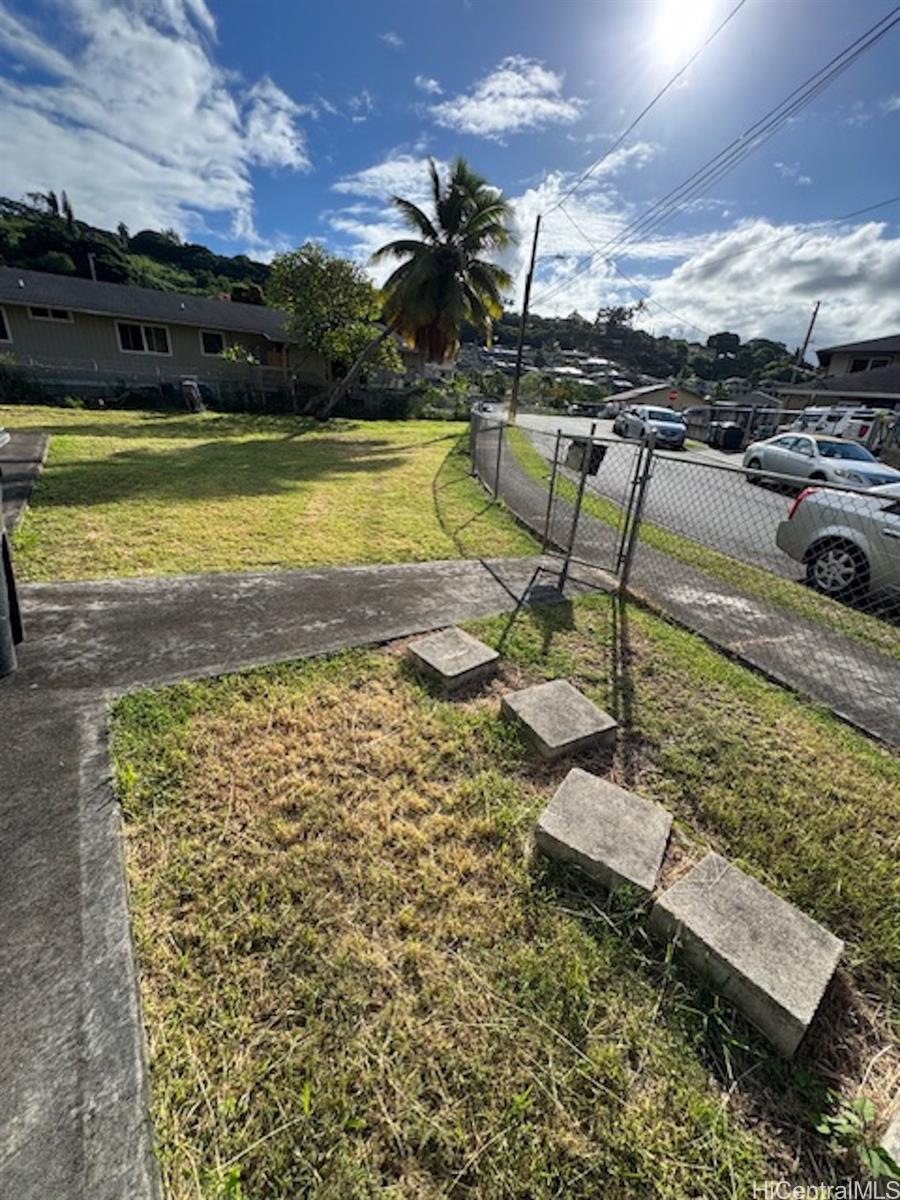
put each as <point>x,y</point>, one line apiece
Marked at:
<point>679,28</point>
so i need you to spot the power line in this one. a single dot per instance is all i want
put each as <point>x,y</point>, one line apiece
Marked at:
<point>560,285</point>
<point>737,150</point>
<point>637,120</point>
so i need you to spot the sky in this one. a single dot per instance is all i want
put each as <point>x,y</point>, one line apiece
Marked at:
<point>252,127</point>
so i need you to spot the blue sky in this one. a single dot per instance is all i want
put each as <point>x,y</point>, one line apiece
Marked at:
<point>254,126</point>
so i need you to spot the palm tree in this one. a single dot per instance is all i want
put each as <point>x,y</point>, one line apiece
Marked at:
<point>443,280</point>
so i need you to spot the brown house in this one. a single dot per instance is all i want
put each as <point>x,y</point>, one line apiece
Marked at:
<point>76,333</point>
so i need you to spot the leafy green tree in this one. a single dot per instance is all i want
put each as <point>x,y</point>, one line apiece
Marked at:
<point>444,281</point>
<point>723,344</point>
<point>332,308</point>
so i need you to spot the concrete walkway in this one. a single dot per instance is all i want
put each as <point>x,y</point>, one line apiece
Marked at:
<point>21,462</point>
<point>72,1070</point>
<point>857,683</point>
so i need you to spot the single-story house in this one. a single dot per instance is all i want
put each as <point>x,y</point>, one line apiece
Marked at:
<point>666,395</point>
<point>72,332</point>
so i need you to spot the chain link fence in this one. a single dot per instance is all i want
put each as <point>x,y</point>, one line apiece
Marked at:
<point>802,581</point>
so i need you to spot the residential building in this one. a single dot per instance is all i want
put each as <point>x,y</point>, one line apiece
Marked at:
<point>666,395</point>
<point>853,358</point>
<point>77,334</point>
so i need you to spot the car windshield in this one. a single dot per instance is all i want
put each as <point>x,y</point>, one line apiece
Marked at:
<point>845,450</point>
<point>663,414</point>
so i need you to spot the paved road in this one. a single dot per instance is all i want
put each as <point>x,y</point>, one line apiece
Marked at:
<point>692,493</point>
<point>21,461</point>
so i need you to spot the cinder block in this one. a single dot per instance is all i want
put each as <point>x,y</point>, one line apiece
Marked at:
<point>558,719</point>
<point>615,836</point>
<point>771,960</point>
<point>453,658</point>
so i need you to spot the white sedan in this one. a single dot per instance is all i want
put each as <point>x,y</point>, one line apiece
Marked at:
<point>818,458</point>
<point>848,542</point>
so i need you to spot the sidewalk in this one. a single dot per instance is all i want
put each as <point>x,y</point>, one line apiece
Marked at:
<point>21,462</point>
<point>739,624</point>
<point>72,1070</point>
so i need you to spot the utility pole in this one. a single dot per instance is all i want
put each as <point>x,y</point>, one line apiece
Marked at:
<point>801,354</point>
<point>514,399</point>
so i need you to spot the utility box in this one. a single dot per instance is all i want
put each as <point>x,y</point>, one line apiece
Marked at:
<point>10,617</point>
<point>581,448</point>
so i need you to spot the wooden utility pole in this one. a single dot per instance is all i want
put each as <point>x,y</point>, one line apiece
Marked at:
<point>514,399</point>
<point>801,354</point>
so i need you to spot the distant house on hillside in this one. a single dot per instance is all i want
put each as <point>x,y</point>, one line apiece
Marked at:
<point>79,335</point>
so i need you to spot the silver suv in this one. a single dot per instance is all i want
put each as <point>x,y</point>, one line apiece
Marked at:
<point>639,421</point>
<point>849,542</point>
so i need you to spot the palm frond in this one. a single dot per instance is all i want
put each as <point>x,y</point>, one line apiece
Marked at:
<point>415,218</point>
<point>398,249</point>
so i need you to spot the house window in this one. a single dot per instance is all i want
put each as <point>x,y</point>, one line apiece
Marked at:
<point>212,341</point>
<point>5,335</point>
<point>143,339</point>
<point>41,313</point>
<point>867,364</point>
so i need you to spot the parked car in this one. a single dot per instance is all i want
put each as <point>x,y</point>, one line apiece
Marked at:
<point>4,436</point>
<point>639,421</point>
<point>818,458</point>
<point>585,408</point>
<point>849,542</point>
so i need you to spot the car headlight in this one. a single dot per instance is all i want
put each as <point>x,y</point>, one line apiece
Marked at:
<point>853,476</point>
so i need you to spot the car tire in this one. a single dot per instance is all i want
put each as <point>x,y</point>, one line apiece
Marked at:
<point>753,465</point>
<point>818,477</point>
<point>838,569</point>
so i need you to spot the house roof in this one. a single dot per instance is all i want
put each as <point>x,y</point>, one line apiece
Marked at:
<point>883,345</point>
<point>881,382</point>
<point>639,392</point>
<point>139,303</point>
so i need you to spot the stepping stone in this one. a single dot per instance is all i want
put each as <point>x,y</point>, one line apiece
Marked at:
<point>891,1138</point>
<point>771,960</point>
<point>453,658</point>
<point>558,719</point>
<point>615,836</point>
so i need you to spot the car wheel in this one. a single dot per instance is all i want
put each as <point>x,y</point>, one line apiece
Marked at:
<point>753,475</point>
<point>818,477</point>
<point>837,569</point>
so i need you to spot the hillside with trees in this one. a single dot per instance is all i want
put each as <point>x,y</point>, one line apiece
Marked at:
<point>611,335</point>
<point>42,233</point>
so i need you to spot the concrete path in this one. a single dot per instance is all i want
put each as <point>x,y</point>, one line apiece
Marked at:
<point>21,462</point>
<point>858,683</point>
<point>72,1072</point>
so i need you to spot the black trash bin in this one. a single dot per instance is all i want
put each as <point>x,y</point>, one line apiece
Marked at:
<point>11,632</point>
<point>731,436</point>
<point>578,448</point>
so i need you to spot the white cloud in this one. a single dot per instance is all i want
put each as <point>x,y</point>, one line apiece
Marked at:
<point>361,105</point>
<point>890,104</point>
<point>137,121</point>
<point>519,94</point>
<point>394,40</point>
<point>426,84</point>
<point>792,171</point>
<point>397,175</point>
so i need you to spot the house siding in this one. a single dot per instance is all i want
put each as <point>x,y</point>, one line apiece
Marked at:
<point>89,344</point>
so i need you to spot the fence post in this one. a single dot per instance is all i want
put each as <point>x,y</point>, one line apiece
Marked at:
<point>637,515</point>
<point>500,429</point>
<point>576,516</point>
<point>473,442</point>
<point>546,538</point>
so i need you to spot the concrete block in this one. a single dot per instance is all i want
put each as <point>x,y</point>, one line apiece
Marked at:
<point>771,960</point>
<point>615,836</point>
<point>453,658</point>
<point>891,1138</point>
<point>558,719</point>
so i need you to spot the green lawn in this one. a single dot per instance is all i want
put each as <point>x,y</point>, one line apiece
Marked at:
<point>359,983</point>
<point>754,581</point>
<point>134,493</point>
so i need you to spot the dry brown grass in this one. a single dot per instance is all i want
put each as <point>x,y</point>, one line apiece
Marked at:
<point>358,982</point>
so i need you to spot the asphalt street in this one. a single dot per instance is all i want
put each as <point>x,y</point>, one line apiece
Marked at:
<point>692,492</point>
